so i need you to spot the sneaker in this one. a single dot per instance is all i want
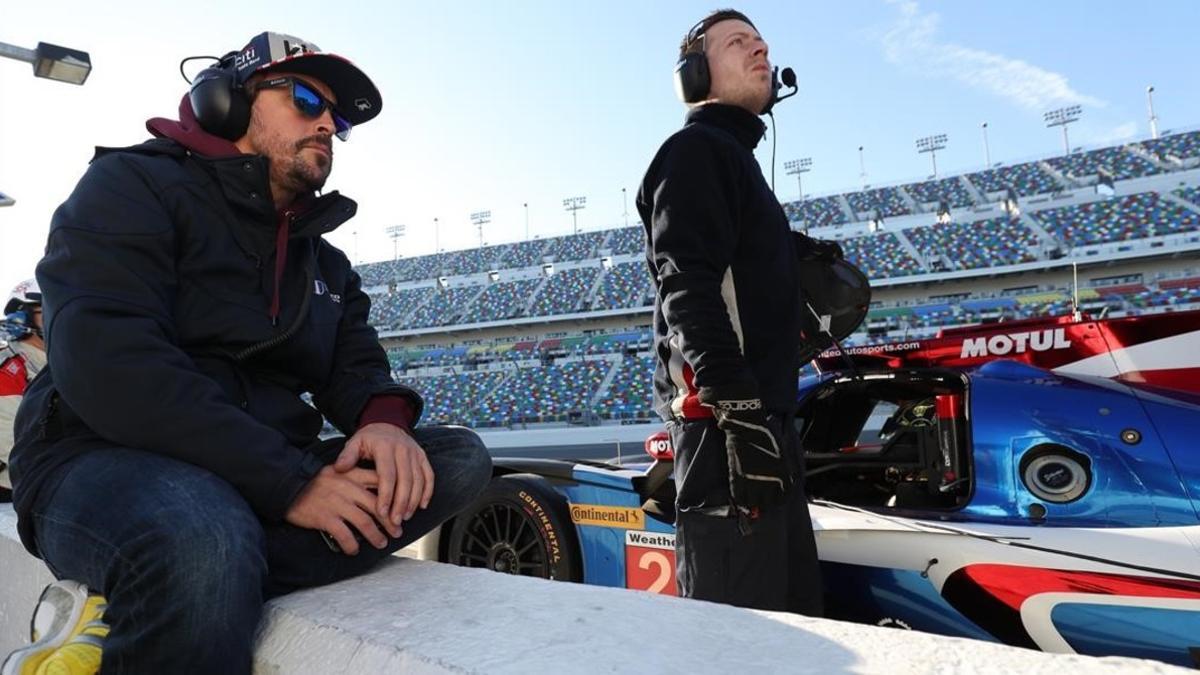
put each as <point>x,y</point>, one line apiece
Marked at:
<point>67,634</point>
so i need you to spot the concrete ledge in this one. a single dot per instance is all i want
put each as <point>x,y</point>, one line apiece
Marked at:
<point>423,617</point>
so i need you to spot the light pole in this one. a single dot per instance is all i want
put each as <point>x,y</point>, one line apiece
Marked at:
<point>932,144</point>
<point>574,204</point>
<point>862,167</point>
<point>52,62</point>
<point>1061,118</point>
<point>395,232</point>
<point>625,206</point>
<point>481,218</point>
<point>437,236</point>
<point>1153,117</point>
<point>356,258</point>
<point>987,151</point>
<point>526,205</point>
<point>797,168</point>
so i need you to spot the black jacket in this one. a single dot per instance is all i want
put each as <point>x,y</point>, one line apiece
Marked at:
<point>158,283</point>
<point>727,312</point>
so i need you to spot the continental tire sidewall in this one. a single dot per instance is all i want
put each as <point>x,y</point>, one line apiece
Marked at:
<point>545,510</point>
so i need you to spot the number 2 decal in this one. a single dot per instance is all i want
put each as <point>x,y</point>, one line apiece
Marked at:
<point>665,573</point>
<point>650,562</point>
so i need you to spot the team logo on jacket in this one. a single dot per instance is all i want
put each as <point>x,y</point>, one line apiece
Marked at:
<point>319,288</point>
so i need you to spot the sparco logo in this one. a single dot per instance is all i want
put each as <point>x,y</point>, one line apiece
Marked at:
<point>739,406</point>
<point>1016,343</point>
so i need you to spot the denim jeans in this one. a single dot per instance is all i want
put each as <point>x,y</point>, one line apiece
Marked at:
<point>186,565</point>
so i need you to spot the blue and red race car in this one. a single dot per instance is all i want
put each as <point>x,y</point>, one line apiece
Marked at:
<point>1035,483</point>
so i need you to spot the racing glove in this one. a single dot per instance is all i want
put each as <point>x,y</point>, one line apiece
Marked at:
<point>758,476</point>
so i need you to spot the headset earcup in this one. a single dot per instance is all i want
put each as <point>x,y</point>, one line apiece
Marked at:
<point>692,79</point>
<point>219,104</point>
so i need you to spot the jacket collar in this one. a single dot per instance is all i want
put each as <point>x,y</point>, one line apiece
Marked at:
<point>742,124</point>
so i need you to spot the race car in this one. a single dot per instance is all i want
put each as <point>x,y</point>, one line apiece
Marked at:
<point>1041,489</point>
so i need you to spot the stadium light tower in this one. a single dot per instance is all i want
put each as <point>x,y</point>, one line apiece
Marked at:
<point>797,168</point>
<point>574,204</point>
<point>52,62</point>
<point>481,218</point>
<point>526,205</point>
<point>987,151</point>
<point>625,206</point>
<point>862,167</point>
<point>1153,117</point>
<point>1062,117</point>
<point>932,144</point>
<point>437,236</point>
<point>395,232</point>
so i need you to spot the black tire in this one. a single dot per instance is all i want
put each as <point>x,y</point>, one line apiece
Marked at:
<point>520,525</point>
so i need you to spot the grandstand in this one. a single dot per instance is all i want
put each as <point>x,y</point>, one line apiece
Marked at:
<point>554,333</point>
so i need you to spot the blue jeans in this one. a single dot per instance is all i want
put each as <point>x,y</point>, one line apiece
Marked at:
<point>186,565</point>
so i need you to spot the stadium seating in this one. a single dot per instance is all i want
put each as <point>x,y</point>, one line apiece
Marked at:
<point>501,300</point>
<point>1192,194</point>
<point>1131,217</point>
<point>1025,179</point>
<point>625,285</point>
<point>629,395</point>
<point>933,191</point>
<point>887,200</point>
<point>816,212</point>
<point>453,399</point>
<point>563,291</point>
<point>574,247</point>
<point>983,243</point>
<point>880,256</point>
<point>542,394</point>
<point>627,240</point>
<point>388,310</point>
<point>444,308</point>
<point>1178,146</point>
<point>1120,162</point>
<point>524,254</point>
<point>473,260</point>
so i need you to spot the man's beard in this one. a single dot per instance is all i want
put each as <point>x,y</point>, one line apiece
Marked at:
<point>289,169</point>
<point>302,176</point>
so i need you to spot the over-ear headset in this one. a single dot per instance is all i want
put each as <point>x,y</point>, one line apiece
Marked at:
<point>692,78</point>
<point>219,102</point>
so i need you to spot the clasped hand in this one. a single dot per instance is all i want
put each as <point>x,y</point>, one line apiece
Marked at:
<point>345,495</point>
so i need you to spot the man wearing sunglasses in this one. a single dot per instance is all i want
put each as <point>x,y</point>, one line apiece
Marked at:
<point>166,459</point>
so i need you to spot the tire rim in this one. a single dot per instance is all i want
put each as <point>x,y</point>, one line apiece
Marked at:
<point>502,538</point>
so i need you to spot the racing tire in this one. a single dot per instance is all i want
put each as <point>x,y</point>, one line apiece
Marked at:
<point>520,525</point>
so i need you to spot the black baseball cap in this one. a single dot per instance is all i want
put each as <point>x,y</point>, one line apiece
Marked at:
<point>357,98</point>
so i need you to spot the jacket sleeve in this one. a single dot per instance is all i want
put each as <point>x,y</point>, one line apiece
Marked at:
<point>361,370</point>
<point>694,194</point>
<point>109,281</point>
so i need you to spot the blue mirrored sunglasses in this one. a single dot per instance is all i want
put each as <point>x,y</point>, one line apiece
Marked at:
<point>311,103</point>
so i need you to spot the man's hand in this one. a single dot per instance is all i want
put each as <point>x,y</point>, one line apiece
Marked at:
<point>405,477</point>
<point>758,477</point>
<point>333,501</point>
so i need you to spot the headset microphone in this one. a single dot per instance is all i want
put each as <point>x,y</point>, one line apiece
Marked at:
<point>789,81</point>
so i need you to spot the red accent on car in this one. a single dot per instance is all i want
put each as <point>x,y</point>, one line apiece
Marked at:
<point>1014,584</point>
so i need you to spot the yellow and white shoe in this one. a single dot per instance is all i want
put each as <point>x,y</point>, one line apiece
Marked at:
<point>67,631</point>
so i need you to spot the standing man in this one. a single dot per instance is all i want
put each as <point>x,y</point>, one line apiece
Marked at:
<point>726,322</point>
<point>22,356</point>
<point>166,458</point>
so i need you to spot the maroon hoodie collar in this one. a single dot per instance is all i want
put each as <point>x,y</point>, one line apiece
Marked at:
<point>187,132</point>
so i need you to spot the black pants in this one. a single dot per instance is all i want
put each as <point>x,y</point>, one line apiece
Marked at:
<point>774,566</point>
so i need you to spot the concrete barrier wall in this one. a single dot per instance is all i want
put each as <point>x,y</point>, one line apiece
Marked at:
<point>421,617</point>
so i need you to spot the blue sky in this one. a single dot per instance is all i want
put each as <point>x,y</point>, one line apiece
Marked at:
<point>492,105</point>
